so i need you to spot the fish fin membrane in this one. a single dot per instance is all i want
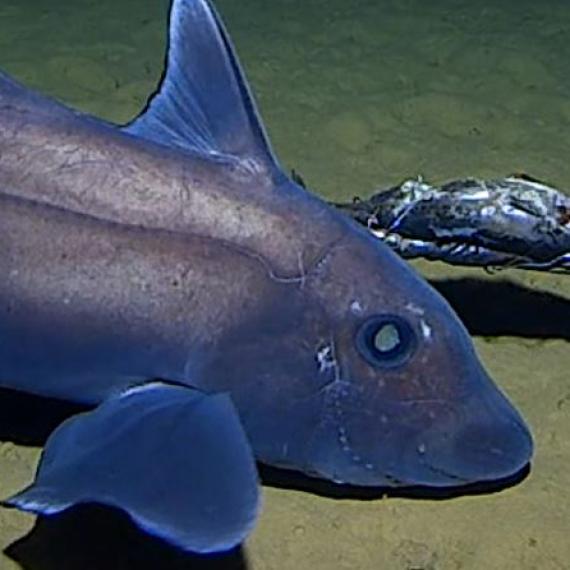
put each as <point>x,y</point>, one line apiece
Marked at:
<point>176,460</point>
<point>204,103</point>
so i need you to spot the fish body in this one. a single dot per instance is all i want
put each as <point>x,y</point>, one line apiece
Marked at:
<point>176,248</point>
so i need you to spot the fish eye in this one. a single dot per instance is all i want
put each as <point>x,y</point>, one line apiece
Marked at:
<point>386,341</point>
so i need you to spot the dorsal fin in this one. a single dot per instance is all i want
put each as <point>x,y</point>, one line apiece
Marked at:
<point>203,102</point>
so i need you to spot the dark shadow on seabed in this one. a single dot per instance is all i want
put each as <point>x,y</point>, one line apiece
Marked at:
<point>504,308</point>
<point>95,538</point>
<point>29,420</point>
<point>284,479</point>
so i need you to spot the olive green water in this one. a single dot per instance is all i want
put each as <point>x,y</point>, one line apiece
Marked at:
<point>356,95</point>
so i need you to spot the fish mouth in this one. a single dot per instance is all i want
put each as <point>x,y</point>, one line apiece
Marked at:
<point>478,441</point>
<point>474,465</point>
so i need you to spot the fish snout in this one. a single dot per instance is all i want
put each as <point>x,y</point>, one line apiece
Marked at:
<point>488,444</point>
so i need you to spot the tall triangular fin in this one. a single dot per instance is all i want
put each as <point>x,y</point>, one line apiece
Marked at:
<point>204,103</point>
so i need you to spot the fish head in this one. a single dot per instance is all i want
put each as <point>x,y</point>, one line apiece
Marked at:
<point>362,374</point>
<point>407,401</point>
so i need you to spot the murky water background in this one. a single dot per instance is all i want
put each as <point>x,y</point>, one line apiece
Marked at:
<point>356,95</point>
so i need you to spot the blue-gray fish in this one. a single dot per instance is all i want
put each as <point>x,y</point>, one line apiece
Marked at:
<point>169,273</point>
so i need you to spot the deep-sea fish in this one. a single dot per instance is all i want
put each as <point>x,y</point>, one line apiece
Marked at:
<point>170,274</point>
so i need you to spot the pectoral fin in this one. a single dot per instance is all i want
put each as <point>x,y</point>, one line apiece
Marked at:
<point>176,460</point>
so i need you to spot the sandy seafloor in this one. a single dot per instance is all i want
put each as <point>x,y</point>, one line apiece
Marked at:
<point>356,95</point>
